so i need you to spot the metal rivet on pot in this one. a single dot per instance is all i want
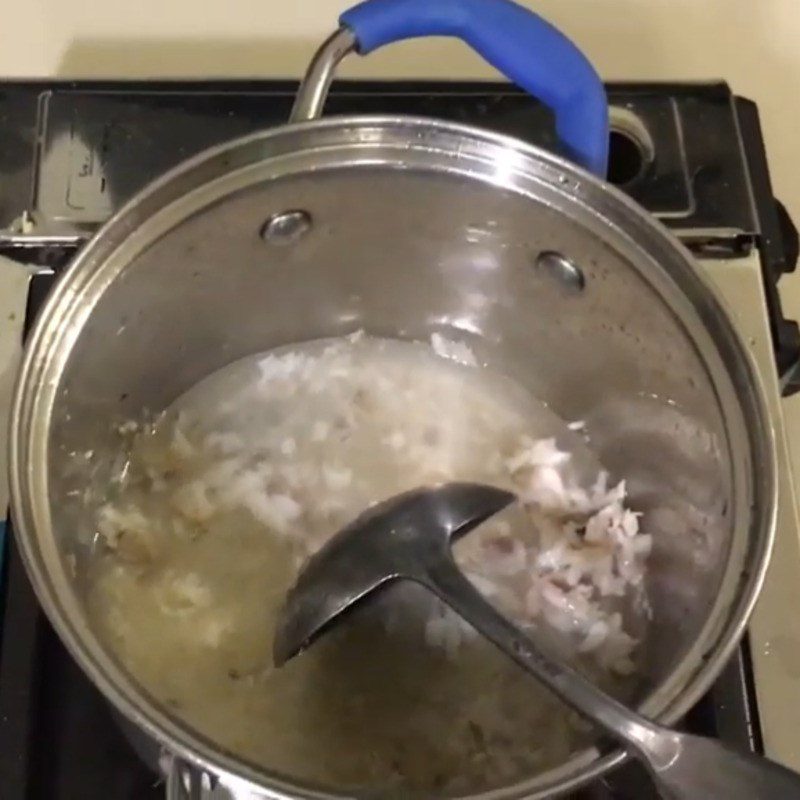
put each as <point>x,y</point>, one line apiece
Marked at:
<point>286,227</point>
<point>559,267</point>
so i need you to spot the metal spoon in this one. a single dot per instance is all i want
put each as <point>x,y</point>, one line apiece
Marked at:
<point>408,537</point>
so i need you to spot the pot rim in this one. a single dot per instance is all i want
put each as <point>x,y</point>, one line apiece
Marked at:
<point>29,432</point>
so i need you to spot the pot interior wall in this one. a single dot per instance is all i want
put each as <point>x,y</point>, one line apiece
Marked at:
<point>403,256</point>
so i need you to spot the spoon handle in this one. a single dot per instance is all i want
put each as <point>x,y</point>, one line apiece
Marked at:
<point>707,769</point>
<point>446,580</point>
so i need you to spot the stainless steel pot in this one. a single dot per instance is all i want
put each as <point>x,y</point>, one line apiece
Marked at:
<point>404,227</point>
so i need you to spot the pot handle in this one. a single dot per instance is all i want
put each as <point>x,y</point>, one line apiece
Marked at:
<point>520,44</point>
<point>187,781</point>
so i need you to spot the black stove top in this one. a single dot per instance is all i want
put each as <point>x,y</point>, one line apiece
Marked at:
<point>691,154</point>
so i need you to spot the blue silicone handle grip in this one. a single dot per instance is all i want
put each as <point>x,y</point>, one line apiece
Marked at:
<point>524,47</point>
